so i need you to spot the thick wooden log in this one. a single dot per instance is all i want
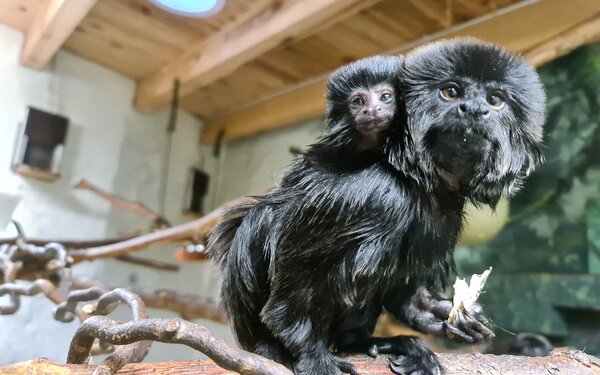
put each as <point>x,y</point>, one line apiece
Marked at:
<point>560,362</point>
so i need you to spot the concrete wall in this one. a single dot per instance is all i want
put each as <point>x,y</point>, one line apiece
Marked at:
<point>111,145</point>
<point>124,152</point>
<point>253,164</point>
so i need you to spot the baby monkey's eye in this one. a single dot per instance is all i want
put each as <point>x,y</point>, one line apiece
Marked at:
<point>386,97</point>
<point>496,99</point>
<point>357,100</point>
<point>450,91</point>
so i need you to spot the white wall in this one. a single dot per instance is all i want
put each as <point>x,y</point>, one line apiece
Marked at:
<point>124,152</point>
<point>112,146</point>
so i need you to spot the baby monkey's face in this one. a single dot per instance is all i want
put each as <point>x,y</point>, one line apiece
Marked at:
<point>373,108</point>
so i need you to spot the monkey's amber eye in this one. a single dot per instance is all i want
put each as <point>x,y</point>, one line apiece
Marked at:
<point>496,100</point>
<point>357,101</point>
<point>450,91</point>
<point>386,97</point>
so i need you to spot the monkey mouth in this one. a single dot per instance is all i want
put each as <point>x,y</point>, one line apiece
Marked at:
<point>373,124</point>
<point>457,151</point>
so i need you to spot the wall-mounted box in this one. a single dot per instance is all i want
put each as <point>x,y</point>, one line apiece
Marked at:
<point>40,145</point>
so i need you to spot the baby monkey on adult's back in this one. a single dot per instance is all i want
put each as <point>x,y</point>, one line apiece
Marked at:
<point>311,265</point>
<point>362,108</point>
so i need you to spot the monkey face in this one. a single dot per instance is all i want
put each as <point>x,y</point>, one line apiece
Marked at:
<point>474,117</point>
<point>373,108</point>
<point>362,94</point>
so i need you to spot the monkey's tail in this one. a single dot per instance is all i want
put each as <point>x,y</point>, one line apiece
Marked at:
<point>238,245</point>
<point>221,237</point>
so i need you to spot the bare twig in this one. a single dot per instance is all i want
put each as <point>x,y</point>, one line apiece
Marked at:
<point>39,286</point>
<point>65,311</point>
<point>150,263</point>
<point>131,353</point>
<point>68,244</point>
<point>173,331</point>
<point>134,335</point>
<point>189,306</point>
<point>137,209</point>
<point>194,231</point>
<point>73,244</point>
<point>52,259</point>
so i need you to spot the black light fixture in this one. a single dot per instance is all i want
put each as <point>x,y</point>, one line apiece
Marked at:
<point>191,8</point>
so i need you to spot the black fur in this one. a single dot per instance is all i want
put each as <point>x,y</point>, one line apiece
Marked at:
<point>310,266</point>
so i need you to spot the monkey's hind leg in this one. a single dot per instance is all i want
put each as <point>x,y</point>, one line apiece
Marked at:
<point>303,331</point>
<point>318,360</point>
<point>274,350</point>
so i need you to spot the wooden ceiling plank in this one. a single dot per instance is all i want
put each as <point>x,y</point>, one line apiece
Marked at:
<point>19,14</point>
<point>435,10</point>
<point>51,28</point>
<point>224,52</point>
<point>587,32</point>
<point>541,30</point>
<point>306,103</point>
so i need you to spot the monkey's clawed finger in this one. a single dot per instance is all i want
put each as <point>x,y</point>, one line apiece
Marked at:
<point>409,365</point>
<point>347,367</point>
<point>442,309</point>
<point>470,327</point>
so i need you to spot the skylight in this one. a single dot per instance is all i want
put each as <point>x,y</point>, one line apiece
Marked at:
<point>191,8</point>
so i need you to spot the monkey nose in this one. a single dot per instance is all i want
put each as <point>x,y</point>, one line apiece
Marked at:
<point>477,111</point>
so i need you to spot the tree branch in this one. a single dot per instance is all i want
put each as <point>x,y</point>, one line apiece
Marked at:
<point>136,208</point>
<point>172,331</point>
<point>188,306</point>
<point>560,362</point>
<point>194,231</point>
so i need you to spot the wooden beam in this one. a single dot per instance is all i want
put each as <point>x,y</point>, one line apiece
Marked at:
<point>588,32</point>
<point>520,28</point>
<point>307,102</point>
<point>51,27</point>
<point>281,23</point>
<point>561,362</point>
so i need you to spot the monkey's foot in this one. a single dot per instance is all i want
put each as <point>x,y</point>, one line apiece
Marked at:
<point>324,365</point>
<point>346,367</point>
<point>410,365</point>
<point>412,357</point>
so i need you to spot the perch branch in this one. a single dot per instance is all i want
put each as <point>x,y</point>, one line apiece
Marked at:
<point>136,335</point>
<point>560,362</point>
<point>38,286</point>
<point>107,302</point>
<point>68,244</point>
<point>150,263</point>
<point>172,331</point>
<point>188,306</point>
<point>73,244</point>
<point>136,208</point>
<point>194,231</point>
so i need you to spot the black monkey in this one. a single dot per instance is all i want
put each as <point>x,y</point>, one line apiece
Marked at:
<point>362,106</point>
<point>311,265</point>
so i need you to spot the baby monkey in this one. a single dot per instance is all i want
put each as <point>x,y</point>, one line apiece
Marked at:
<point>361,110</point>
<point>362,105</point>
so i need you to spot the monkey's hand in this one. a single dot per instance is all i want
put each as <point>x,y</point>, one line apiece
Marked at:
<point>428,314</point>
